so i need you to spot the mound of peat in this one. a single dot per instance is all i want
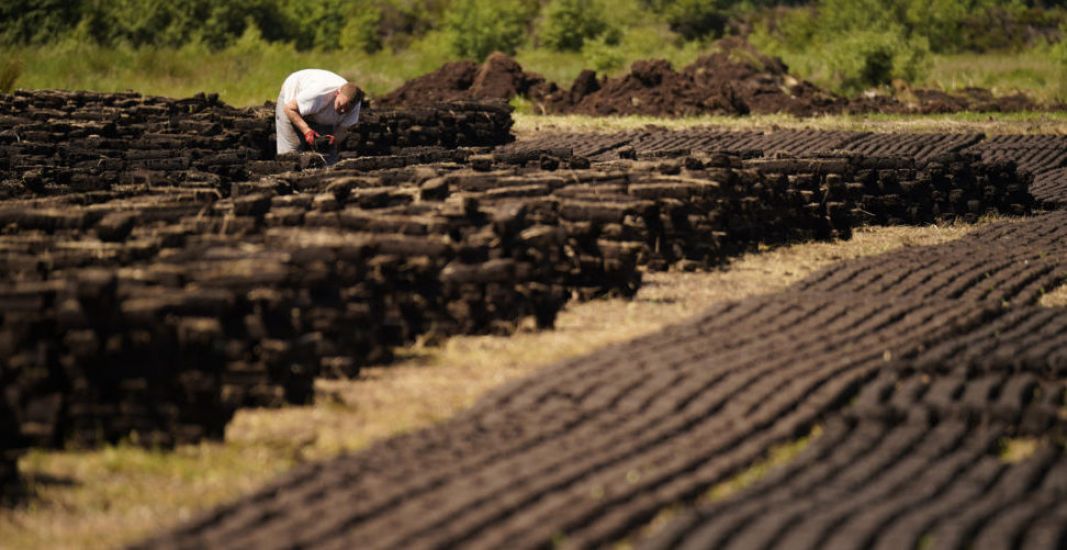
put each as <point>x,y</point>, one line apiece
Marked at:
<point>499,77</point>
<point>736,79</point>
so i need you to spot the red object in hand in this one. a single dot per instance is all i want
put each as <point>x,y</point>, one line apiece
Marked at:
<point>309,136</point>
<point>330,138</point>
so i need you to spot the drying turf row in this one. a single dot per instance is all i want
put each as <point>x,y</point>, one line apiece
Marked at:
<point>586,452</point>
<point>161,310</point>
<point>1045,156</point>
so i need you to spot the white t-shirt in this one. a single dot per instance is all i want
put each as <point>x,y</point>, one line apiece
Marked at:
<point>314,90</point>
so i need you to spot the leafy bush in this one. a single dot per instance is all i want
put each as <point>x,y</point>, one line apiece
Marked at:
<point>179,22</point>
<point>403,21</point>
<point>864,59</point>
<point>479,27</point>
<point>568,24</point>
<point>601,55</point>
<point>949,26</point>
<point>361,31</point>
<point>226,22</point>
<point>694,19</point>
<point>36,21</point>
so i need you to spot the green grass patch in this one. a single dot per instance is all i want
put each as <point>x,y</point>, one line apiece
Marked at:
<point>123,492</point>
<point>1017,449</point>
<point>776,457</point>
<point>247,73</point>
<point>1035,73</point>
<point>251,70</point>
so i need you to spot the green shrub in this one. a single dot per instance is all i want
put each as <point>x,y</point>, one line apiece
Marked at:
<point>865,59</point>
<point>695,19</point>
<point>141,22</point>
<point>477,28</point>
<point>949,26</point>
<point>226,22</point>
<point>361,31</point>
<point>839,17</point>
<point>568,24</point>
<point>940,21</point>
<point>601,55</point>
<point>36,21</point>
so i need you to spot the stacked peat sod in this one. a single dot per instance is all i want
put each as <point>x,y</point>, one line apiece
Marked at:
<point>447,125</point>
<point>163,320</point>
<point>392,139</point>
<point>873,158</point>
<point>11,448</point>
<point>146,293</point>
<point>688,214</point>
<point>1043,155</point>
<point>906,191</point>
<point>696,210</point>
<point>55,142</point>
<point>160,311</point>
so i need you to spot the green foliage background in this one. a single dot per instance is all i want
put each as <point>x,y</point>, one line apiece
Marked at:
<point>846,45</point>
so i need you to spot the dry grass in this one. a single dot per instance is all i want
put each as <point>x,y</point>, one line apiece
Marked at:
<point>1018,449</point>
<point>108,497</point>
<point>1056,298</point>
<point>989,123</point>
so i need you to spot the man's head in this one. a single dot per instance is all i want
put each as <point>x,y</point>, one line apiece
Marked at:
<point>348,97</point>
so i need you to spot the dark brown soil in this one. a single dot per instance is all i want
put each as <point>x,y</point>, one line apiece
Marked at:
<point>451,82</point>
<point>499,77</point>
<point>734,80</point>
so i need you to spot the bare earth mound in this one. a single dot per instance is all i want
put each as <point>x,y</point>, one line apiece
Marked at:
<point>736,79</point>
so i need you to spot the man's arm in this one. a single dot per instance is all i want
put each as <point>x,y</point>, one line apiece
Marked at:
<point>293,114</point>
<point>339,135</point>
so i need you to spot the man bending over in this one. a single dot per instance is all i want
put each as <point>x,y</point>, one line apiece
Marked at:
<point>314,101</point>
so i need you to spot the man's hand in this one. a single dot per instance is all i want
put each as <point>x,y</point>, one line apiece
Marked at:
<point>310,135</point>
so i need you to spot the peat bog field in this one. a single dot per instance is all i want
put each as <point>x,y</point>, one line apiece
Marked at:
<point>160,269</point>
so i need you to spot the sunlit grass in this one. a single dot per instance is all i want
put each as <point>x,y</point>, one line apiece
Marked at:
<point>989,123</point>
<point>247,73</point>
<point>250,71</point>
<point>1034,73</point>
<point>124,492</point>
<point>1018,449</point>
